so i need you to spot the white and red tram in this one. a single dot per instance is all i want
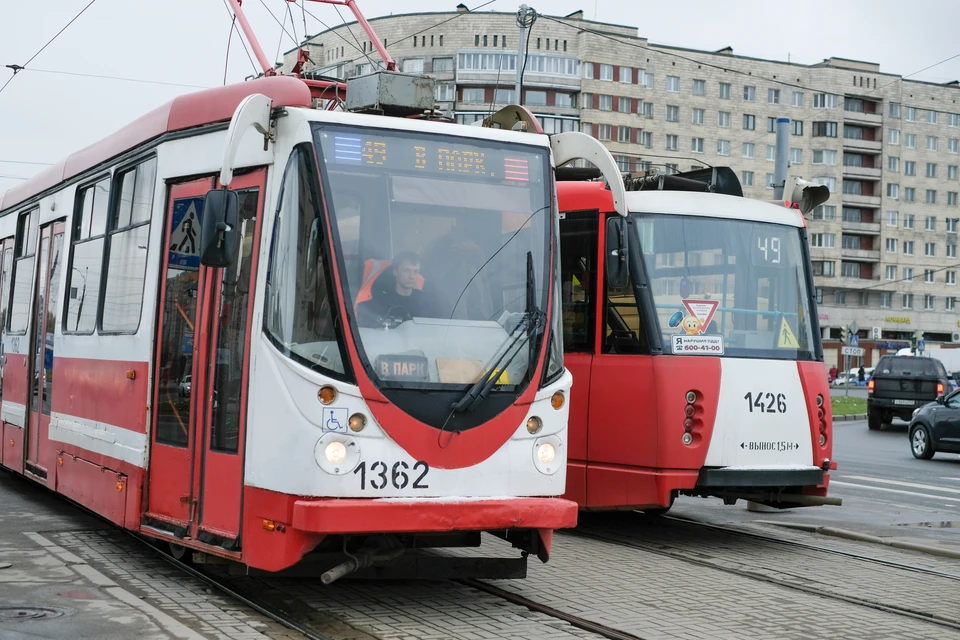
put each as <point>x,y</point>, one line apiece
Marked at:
<point>245,407</point>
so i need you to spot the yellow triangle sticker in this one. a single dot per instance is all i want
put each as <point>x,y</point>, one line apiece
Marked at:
<point>787,339</point>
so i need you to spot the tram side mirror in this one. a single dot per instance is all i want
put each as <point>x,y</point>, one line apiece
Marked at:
<point>219,234</point>
<point>617,263</point>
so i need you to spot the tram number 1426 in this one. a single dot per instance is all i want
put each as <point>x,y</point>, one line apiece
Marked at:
<point>766,402</point>
<point>381,475</point>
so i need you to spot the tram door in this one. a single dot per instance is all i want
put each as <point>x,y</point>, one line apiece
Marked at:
<point>44,324</point>
<point>196,464</point>
<point>17,345</point>
<point>6,272</point>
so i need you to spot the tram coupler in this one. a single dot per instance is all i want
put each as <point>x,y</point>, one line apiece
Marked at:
<point>377,551</point>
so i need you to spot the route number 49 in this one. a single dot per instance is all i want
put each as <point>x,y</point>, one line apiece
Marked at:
<point>766,402</point>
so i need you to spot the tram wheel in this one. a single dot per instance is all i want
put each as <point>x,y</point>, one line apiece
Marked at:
<point>179,552</point>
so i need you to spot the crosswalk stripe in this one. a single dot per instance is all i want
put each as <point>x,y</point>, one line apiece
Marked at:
<point>901,483</point>
<point>889,490</point>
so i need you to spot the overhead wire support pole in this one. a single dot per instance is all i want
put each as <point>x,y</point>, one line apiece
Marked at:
<point>521,53</point>
<point>268,69</point>
<point>377,44</point>
<point>782,156</point>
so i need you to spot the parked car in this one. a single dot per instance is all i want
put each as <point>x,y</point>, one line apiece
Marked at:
<point>936,427</point>
<point>900,384</point>
<point>184,388</point>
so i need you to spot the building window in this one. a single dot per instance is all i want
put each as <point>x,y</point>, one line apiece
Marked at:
<point>952,202</point>
<point>797,98</point>
<point>626,75</point>
<point>796,156</point>
<point>892,218</point>
<point>673,113</point>
<point>852,215</point>
<point>850,269</point>
<point>825,156</point>
<point>953,119</point>
<point>930,223</point>
<point>587,70</point>
<point>930,249</point>
<point>953,145</point>
<point>894,109</point>
<point>413,65</point>
<point>673,84</point>
<point>928,302</point>
<point>825,101</point>
<point>773,96</point>
<point>951,225</point>
<point>931,116</point>
<point>696,145</point>
<point>893,190</point>
<point>823,240</point>
<point>723,147</point>
<point>886,300</point>
<point>747,178</point>
<point>771,125</point>
<point>863,298</point>
<point>646,139</point>
<point>697,116</point>
<point>749,122</point>
<point>950,303</point>
<point>670,169</point>
<point>893,136</point>
<point>126,250</point>
<point>796,127</point>
<point>647,79</point>
<point>771,153</point>
<point>724,91</point>
<point>951,277</point>
<point>646,109</point>
<point>908,301</point>
<point>891,245</point>
<point>606,103</point>
<point>850,242</point>
<point>825,212</point>
<point>931,143</point>
<point>910,114</point>
<point>564,100</point>
<point>824,129</point>
<point>840,297</point>
<point>750,94</point>
<point>827,181</point>
<point>537,98</point>
<point>909,168</point>
<point>443,65</point>
<point>473,96</point>
<point>673,142</point>
<point>603,132</point>
<point>623,163</point>
<point>951,251</point>
<point>908,247</point>
<point>910,141</point>
<point>770,182</point>
<point>748,148</point>
<point>624,104</point>
<point>623,134</point>
<point>931,196</point>
<point>891,272</point>
<point>909,194</point>
<point>929,277</point>
<point>447,92</point>
<point>908,219</point>
<point>504,96</point>
<point>606,72</point>
<point>699,87</point>
<point>823,268</point>
<point>953,171</point>
<point>723,119</point>
<point>893,164</point>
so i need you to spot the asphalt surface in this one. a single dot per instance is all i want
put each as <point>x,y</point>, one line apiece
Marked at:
<point>885,491</point>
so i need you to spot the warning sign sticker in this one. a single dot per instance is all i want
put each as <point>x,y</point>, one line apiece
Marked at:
<point>184,245</point>
<point>786,339</point>
<point>702,310</point>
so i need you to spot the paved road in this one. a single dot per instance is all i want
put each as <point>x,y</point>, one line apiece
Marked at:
<point>885,490</point>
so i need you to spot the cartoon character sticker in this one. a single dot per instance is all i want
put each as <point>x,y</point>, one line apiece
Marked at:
<point>698,321</point>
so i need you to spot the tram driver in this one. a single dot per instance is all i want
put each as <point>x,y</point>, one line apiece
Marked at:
<point>396,296</point>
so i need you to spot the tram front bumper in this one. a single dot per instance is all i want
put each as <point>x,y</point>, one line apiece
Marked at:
<point>419,515</point>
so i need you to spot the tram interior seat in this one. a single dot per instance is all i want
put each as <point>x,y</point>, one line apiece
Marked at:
<point>621,339</point>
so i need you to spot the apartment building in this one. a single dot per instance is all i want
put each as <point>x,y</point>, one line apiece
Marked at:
<point>884,247</point>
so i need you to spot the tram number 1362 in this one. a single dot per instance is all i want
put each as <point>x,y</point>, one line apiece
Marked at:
<point>379,476</point>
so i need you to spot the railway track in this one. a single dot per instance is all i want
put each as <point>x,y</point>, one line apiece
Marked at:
<point>787,581</point>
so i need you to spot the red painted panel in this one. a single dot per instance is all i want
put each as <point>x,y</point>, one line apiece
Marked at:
<point>357,515</point>
<point>612,487</point>
<point>15,377</point>
<point>623,411</point>
<point>813,378</point>
<point>13,447</point>
<point>100,490</point>
<point>579,364</point>
<point>273,550</point>
<point>674,376</point>
<point>576,482</point>
<point>101,390</point>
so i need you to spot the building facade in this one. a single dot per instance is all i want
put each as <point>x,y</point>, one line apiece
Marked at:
<point>884,247</point>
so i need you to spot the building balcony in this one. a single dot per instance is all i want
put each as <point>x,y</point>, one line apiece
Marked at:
<point>862,228</point>
<point>860,200</point>
<point>863,146</point>
<point>861,173</point>
<point>859,117</point>
<point>860,255</point>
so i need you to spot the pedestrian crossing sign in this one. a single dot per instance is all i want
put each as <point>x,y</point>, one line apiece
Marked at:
<point>184,247</point>
<point>786,340</point>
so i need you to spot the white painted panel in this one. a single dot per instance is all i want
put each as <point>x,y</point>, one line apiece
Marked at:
<point>99,437</point>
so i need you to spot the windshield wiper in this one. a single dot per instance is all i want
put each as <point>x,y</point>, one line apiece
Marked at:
<point>528,326</point>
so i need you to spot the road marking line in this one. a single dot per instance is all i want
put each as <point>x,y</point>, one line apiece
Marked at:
<point>901,483</point>
<point>888,490</point>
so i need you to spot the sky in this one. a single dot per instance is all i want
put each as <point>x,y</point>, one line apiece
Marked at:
<point>45,116</point>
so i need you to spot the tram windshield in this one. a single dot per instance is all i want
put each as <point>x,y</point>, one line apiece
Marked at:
<point>735,288</point>
<point>444,245</point>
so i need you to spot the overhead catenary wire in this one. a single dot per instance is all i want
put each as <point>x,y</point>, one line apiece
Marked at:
<point>242,41</point>
<point>18,68</point>
<point>120,78</point>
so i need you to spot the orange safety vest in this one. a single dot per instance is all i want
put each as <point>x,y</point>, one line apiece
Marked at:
<point>371,271</point>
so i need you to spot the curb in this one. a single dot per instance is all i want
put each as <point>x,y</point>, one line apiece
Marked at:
<point>850,416</point>
<point>863,537</point>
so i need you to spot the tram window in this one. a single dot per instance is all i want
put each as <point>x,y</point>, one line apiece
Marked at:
<point>127,249</point>
<point>624,323</point>
<point>86,260</point>
<point>23,272</point>
<point>578,253</point>
<point>7,265</point>
<point>299,314</point>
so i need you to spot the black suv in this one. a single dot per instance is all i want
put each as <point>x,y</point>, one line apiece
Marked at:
<point>900,384</point>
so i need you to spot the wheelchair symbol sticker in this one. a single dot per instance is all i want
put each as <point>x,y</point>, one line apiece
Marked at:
<point>334,420</point>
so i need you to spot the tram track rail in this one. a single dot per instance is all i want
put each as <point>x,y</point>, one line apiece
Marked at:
<point>789,581</point>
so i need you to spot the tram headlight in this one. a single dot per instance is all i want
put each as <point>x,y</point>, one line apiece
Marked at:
<point>534,425</point>
<point>337,454</point>
<point>357,422</point>
<point>548,455</point>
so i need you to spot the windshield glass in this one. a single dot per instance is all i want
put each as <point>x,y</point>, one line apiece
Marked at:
<point>727,287</point>
<point>445,246</point>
